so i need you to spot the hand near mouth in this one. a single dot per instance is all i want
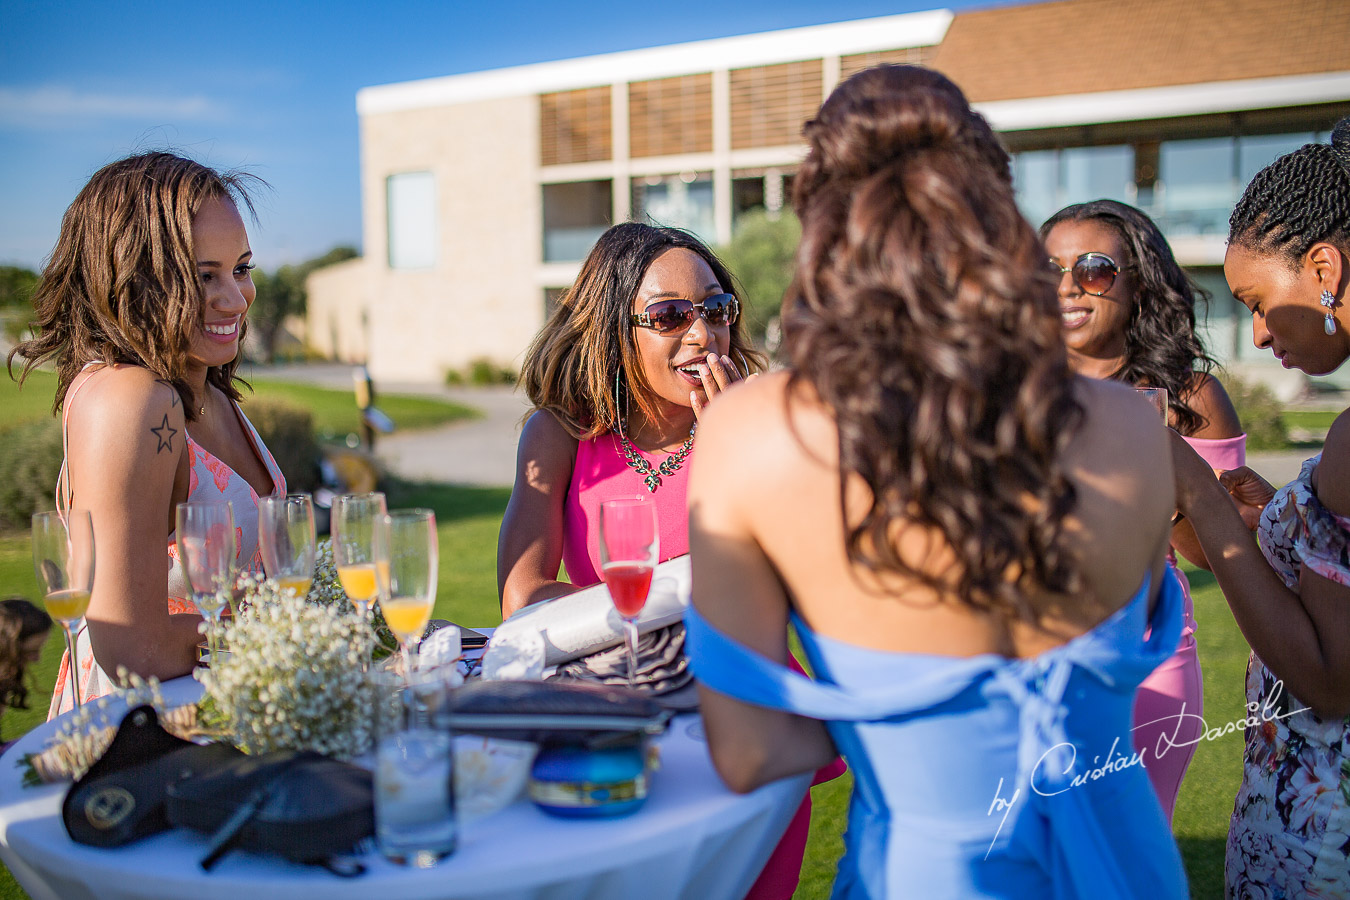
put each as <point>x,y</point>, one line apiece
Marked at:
<point>718,374</point>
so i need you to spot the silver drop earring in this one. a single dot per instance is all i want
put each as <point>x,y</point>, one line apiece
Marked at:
<point>1329,301</point>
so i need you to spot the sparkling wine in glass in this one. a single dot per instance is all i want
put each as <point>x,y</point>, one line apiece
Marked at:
<point>410,592</point>
<point>208,548</point>
<point>286,539</point>
<point>63,557</point>
<point>360,546</point>
<point>629,546</point>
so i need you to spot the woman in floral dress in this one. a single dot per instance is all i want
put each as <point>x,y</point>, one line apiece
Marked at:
<point>1288,262</point>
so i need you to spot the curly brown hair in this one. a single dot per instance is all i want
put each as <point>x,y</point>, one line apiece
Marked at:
<point>122,285</point>
<point>587,344</point>
<point>922,314</point>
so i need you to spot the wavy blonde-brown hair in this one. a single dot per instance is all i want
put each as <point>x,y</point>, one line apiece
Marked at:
<point>922,314</point>
<point>587,345</point>
<point>121,285</point>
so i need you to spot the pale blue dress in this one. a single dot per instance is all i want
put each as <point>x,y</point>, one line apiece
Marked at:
<point>983,776</point>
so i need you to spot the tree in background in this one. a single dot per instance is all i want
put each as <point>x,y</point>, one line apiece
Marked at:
<point>16,286</point>
<point>282,294</point>
<point>16,299</point>
<point>760,255</point>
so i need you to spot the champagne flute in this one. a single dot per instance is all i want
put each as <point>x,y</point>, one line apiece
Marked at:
<point>1158,397</point>
<point>63,557</point>
<point>286,539</point>
<point>208,548</point>
<point>409,593</point>
<point>360,547</point>
<point>629,546</point>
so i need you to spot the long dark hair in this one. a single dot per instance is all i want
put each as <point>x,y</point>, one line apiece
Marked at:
<point>922,314</point>
<point>1161,346</point>
<point>1298,200</point>
<point>587,344</point>
<point>122,285</point>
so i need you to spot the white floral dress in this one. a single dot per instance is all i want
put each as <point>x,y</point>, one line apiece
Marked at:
<point>1290,831</point>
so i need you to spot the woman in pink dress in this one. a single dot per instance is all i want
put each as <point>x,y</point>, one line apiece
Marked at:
<point>1128,312</point>
<point>648,335</point>
<point>142,310</point>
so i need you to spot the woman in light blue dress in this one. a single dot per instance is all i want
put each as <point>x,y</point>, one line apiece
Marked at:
<point>967,538</point>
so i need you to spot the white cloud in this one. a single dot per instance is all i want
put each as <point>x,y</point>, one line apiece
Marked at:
<point>55,105</point>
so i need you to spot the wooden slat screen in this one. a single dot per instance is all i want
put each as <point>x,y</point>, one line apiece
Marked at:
<point>574,126</point>
<point>770,103</point>
<point>856,62</point>
<point>670,116</point>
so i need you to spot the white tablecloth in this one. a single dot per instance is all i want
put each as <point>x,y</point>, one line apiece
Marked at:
<point>693,838</point>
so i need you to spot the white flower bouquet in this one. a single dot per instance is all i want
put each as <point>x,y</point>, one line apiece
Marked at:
<point>293,677</point>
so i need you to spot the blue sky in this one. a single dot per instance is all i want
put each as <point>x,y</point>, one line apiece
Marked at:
<point>271,87</point>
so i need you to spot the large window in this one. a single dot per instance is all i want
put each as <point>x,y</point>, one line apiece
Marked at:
<point>411,200</point>
<point>1200,181</point>
<point>684,201</point>
<point>575,214</point>
<point>1049,180</point>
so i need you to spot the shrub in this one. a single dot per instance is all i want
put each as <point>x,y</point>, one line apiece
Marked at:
<point>30,461</point>
<point>1261,414</point>
<point>761,255</point>
<point>481,372</point>
<point>288,431</point>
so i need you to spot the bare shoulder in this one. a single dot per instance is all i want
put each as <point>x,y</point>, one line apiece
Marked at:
<point>1122,433</point>
<point>118,402</point>
<point>547,451</point>
<point>1333,472</point>
<point>1209,398</point>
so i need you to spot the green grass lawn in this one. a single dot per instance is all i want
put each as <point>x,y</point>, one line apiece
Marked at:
<point>334,411</point>
<point>467,522</point>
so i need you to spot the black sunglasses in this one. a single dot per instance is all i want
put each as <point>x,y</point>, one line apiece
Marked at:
<point>669,316</point>
<point>1093,272</point>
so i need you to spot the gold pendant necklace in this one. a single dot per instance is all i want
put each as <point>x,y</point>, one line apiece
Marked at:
<point>652,477</point>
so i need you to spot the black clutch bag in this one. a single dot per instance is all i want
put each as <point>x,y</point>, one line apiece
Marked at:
<point>553,713</point>
<point>303,806</point>
<point>122,797</point>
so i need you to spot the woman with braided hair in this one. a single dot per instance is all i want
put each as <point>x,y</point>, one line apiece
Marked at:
<point>967,537</point>
<point>1288,262</point>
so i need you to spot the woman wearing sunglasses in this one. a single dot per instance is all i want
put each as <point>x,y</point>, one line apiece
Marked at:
<point>1128,312</point>
<point>648,335</point>
<point>1288,261</point>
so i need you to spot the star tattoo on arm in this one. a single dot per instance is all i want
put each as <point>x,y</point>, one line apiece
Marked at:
<point>164,434</point>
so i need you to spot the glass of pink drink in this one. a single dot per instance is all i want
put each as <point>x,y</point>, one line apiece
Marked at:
<point>629,547</point>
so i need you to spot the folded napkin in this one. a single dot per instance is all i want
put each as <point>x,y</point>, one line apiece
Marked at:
<point>662,669</point>
<point>579,624</point>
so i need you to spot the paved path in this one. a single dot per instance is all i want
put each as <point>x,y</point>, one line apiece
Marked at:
<point>478,452</point>
<point>483,451</point>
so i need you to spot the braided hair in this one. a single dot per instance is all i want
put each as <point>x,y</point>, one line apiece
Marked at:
<point>1300,199</point>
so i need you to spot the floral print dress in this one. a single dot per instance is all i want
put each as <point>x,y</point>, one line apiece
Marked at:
<point>1290,831</point>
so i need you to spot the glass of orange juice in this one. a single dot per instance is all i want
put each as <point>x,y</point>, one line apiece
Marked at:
<point>409,592</point>
<point>63,557</point>
<point>286,539</point>
<point>360,549</point>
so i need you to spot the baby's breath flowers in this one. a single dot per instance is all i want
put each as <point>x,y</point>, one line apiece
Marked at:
<point>82,738</point>
<point>293,678</point>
